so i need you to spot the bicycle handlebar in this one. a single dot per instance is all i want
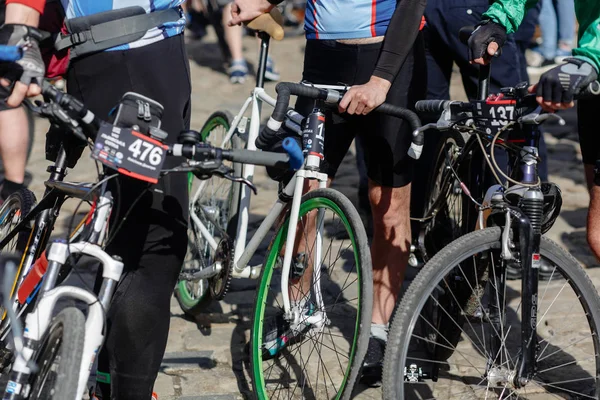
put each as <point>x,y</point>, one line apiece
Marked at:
<point>72,109</point>
<point>331,97</point>
<point>203,152</point>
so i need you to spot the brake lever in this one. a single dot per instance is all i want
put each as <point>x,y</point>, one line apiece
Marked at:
<point>242,180</point>
<point>538,119</point>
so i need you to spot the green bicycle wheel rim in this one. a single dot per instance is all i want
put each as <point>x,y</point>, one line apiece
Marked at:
<point>257,331</point>
<point>184,295</point>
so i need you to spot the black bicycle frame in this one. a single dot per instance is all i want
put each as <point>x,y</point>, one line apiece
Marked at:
<point>45,214</point>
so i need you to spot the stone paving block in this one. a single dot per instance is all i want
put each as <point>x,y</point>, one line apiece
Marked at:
<point>164,386</point>
<point>188,360</point>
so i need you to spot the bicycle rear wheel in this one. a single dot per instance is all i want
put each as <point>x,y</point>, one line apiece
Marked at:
<point>216,208</point>
<point>426,358</point>
<point>59,358</point>
<point>318,357</point>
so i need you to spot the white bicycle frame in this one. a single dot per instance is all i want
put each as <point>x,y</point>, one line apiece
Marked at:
<point>243,252</point>
<point>38,320</point>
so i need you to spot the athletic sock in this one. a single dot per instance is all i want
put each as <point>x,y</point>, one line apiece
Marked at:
<point>379,331</point>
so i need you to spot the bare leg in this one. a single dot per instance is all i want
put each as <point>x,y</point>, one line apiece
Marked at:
<point>14,138</point>
<point>391,246</point>
<point>593,220</point>
<point>233,35</point>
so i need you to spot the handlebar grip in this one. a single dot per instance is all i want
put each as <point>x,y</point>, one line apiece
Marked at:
<point>399,112</point>
<point>264,158</point>
<point>465,33</point>
<point>431,106</point>
<point>416,147</point>
<point>295,152</point>
<point>10,53</point>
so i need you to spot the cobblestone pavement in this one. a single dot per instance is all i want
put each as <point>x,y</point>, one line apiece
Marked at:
<point>205,358</point>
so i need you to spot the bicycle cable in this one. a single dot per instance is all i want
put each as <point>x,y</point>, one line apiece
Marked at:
<point>509,179</point>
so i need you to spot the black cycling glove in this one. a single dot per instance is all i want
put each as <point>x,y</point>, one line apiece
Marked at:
<point>485,32</point>
<point>562,83</point>
<point>30,68</point>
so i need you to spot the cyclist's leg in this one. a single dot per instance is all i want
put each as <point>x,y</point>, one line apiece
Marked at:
<point>319,67</point>
<point>152,241</point>
<point>387,140</point>
<point>14,139</point>
<point>590,153</point>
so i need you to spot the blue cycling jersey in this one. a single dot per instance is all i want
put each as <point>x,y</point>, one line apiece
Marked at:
<point>347,19</point>
<point>81,8</point>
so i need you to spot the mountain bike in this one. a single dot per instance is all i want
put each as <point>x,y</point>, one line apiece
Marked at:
<point>462,329</point>
<point>63,347</point>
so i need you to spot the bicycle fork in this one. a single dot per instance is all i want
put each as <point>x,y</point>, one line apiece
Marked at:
<point>313,141</point>
<point>527,223</point>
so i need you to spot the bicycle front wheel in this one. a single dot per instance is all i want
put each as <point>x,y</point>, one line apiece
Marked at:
<point>59,358</point>
<point>446,342</point>
<point>216,208</point>
<point>317,356</point>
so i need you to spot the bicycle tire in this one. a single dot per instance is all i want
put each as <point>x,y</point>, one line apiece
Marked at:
<point>338,204</point>
<point>14,207</point>
<point>442,197</point>
<point>193,296</point>
<point>429,278</point>
<point>17,205</point>
<point>59,357</point>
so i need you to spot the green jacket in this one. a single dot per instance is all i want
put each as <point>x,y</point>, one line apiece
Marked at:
<point>510,13</point>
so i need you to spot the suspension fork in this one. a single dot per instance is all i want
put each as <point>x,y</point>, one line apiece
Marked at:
<point>529,245</point>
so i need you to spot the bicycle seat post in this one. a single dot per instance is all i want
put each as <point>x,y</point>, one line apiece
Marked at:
<point>262,59</point>
<point>484,81</point>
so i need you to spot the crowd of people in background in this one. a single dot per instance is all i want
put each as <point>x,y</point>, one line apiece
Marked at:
<point>537,49</point>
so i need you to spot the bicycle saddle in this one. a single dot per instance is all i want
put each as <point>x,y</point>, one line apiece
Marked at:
<point>271,24</point>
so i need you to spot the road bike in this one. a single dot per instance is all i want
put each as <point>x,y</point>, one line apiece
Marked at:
<point>462,328</point>
<point>310,339</point>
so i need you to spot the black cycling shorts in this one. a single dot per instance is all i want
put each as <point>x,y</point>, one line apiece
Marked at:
<point>589,133</point>
<point>386,139</point>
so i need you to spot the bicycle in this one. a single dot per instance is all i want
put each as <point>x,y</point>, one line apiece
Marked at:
<point>460,319</point>
<point>300,315</point>
<point>64,347</point>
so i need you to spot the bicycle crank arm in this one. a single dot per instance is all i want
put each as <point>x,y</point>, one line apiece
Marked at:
<point>204,273</point>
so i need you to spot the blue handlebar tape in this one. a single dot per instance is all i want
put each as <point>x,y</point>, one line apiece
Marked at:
<point>10,53</point>
<point>295,152</point>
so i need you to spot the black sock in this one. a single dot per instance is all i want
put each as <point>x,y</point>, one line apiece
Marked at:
<point>9,187</point>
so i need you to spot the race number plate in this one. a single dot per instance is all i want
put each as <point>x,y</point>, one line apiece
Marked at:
<point>494,115</point>
<point>129,152</point>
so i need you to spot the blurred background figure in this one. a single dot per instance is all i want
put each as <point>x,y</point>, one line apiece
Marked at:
<point>217,13</point>
<point>557,26</point>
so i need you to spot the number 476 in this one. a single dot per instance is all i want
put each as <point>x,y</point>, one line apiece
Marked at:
<point>153,153</point>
